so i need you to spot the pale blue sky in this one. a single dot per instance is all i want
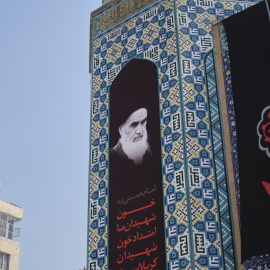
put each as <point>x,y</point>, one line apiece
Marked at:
<point>44,126</point>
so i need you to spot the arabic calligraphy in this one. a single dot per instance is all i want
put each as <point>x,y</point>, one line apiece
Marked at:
<point>121,12</point>
<point>122,215</point>
<point>136,224</point>
<point>149,266</point>
<point>141,193</point>
<point>136,228</point>
<point>131,256</point>
<point>137,237</point>
<point>146,266</point>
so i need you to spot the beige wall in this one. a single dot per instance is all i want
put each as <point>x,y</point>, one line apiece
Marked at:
<point>13,249</point>
<point>8,246</point>
<point>11,209</point>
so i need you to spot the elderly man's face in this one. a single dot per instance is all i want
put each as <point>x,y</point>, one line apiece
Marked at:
<point>135,126</point>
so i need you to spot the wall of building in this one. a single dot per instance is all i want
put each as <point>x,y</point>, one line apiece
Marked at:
<point>177,37</point>
<point>13,249</point>
<point>6,245</point>
<point>11,209</point>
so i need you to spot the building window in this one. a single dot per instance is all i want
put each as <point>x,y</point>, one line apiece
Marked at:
<point>3,224</point>
<point>9,227</point>
<point>4,261</point>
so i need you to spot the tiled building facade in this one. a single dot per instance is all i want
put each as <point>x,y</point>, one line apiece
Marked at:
<point>201,219</point>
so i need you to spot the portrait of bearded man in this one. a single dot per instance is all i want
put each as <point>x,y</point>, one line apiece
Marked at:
<point>133,142</point>
<point>135,169</point>
<point>134,114</point>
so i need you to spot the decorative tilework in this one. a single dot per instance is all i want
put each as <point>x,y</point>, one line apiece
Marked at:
<point>258,263</point>
<point>197,211</point>
<point>149,35</point>
<point>219,162</point>
<point>118,11</point>
<point>195,40</point>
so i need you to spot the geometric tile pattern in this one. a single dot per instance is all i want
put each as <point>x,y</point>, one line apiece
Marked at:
<point>257,262</point>
<point>219,162</point>
<point>176,36</point>
<point>149,35</point>
<point>195,40</point>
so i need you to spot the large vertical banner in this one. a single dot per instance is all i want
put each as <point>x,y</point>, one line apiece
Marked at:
<point>136,215</point>
<point>249,43</point>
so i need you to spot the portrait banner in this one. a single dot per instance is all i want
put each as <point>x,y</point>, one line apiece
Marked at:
<point>136,215</point>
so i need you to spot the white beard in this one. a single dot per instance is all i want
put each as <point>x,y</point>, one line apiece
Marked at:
<point>135,150</point>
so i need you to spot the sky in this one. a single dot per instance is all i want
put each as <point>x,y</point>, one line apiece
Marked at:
<point>44,126</point>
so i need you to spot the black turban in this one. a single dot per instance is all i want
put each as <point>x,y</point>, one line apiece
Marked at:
<point>134,87</point>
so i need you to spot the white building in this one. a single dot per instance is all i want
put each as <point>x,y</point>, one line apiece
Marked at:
<point>10,217</point>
